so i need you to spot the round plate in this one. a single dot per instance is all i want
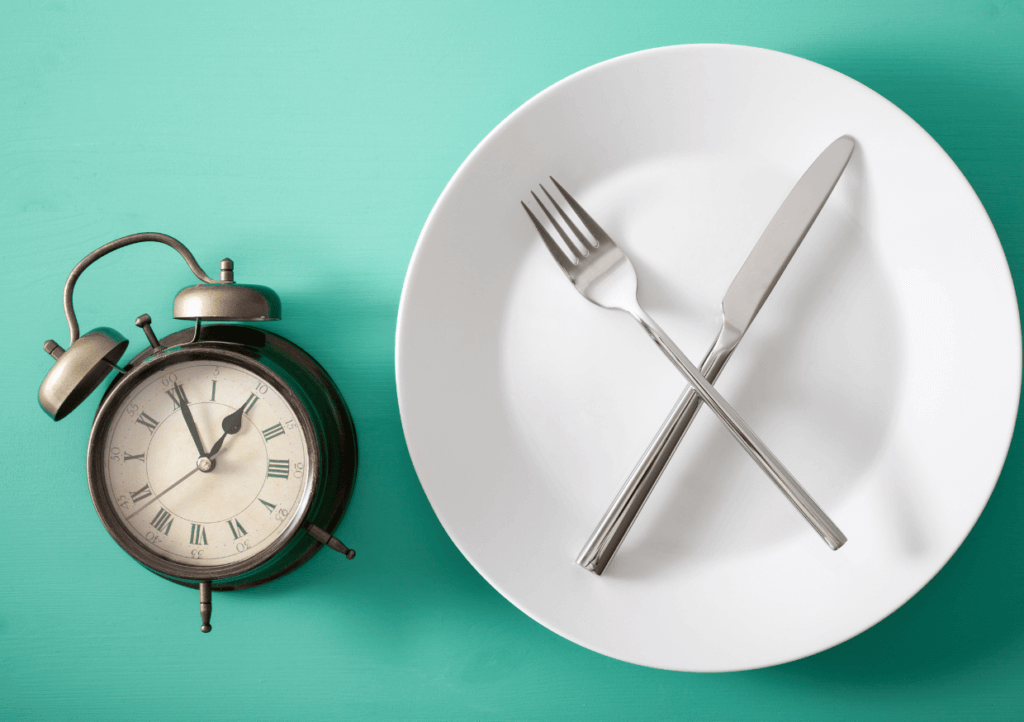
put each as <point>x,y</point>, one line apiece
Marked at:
<point>525,406</point>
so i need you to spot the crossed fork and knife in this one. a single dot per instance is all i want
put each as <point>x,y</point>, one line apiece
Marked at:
<point>602,273</point>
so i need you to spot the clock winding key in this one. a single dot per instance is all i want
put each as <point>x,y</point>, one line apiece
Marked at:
<point>144,322</point>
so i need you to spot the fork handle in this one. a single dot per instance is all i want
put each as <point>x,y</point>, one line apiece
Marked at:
<point>622,512</point>
<point>739,428</point>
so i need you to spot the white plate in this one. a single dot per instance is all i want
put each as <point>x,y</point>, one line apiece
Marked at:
<point>884,370</point>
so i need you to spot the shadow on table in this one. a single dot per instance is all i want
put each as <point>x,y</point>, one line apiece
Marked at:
<point>971,611</point>
<point>406,568</point>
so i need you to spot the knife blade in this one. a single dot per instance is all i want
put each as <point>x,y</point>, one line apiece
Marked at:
<point>749,289</point>
<point>771,254</point>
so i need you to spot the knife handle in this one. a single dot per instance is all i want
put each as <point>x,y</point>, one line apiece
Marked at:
<point>617,520</point>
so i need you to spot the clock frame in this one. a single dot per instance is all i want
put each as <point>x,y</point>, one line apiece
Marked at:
<point>320,412</point>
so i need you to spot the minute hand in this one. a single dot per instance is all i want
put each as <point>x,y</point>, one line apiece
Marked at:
<point>155,498</point>
<point>752,285</point>
<point>190,422</point>
<point>231,424</point>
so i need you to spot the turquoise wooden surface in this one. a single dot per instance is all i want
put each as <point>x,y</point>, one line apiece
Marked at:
<point>308,141</point>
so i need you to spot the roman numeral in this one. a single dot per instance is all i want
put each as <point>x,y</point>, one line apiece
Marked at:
<point>236,529</point>
<point>162,521</point>
<point>141,493</point>
<point>278,468</point>
<point>177,395</point>
<point>139,457</point>
<point>270,507</point>
<point>273,432</point>
<point>198,535</point>
<point>213,392</point>
<point>147,421</point>
<point>249,403</point>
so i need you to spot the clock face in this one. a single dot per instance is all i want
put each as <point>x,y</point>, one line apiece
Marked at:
<point>204,463</point>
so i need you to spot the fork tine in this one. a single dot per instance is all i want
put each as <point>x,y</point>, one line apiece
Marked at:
<point>587,245</point>
<point>589,222</point>
<point>563,260</point>
<point>580,253</point>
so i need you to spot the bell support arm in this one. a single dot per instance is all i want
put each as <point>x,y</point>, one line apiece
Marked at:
<point>177,245</point>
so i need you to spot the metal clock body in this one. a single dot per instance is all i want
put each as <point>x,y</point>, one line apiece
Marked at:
<point>221,457</point>
<point>247,518</point>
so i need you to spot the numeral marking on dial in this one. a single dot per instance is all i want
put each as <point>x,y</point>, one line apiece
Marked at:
<point>195,535</point>
<point>273,432</point>
<point>236,528</point>
<point>249,403</point>
<point>162,521</point>
<point>177,395</point>
<point>198,535</point>
<point>140,494</point>
<point>278,468</point>
<point>147,421</point>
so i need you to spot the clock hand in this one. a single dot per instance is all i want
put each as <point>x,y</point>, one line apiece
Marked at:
<point>231,424</point>
<point>190,422</point>
<point>162,493</point>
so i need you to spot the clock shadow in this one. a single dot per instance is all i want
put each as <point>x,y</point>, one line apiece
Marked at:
<point>404,558</point>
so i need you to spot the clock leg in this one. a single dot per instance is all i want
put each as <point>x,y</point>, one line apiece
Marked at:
<point>205,605</point>
<point>333,542</point>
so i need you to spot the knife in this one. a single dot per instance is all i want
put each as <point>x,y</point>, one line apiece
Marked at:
<point>748,292</point>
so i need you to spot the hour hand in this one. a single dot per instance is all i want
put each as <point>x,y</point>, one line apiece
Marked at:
<point>231,424</point>
<point>179,393</point>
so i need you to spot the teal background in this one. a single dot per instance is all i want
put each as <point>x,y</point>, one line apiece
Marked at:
<point>309,141</point>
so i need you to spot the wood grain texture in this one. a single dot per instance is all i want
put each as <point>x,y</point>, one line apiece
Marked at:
<point>308,142</point>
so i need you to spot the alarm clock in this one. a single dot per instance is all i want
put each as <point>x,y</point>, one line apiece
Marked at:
<point>222,456</point>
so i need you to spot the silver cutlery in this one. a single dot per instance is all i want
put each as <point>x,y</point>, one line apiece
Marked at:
<point>752,285</point>
<point>602,273</point>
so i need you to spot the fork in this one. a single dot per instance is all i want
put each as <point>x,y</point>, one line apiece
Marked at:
<point>602,273</point>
